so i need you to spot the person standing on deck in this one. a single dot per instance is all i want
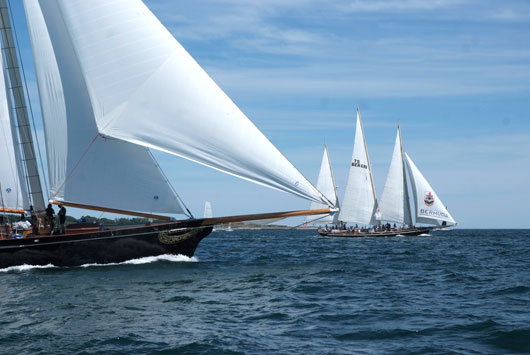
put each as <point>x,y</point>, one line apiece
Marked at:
<point>49,216</point>
<point>62,217</point>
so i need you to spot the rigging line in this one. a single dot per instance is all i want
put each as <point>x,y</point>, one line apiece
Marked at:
<point>28,97</point>
<point>311,221</point>
<point>179,199</point>
<point>76,164</point>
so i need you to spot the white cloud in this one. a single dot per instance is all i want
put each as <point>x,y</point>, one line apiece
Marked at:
<point>394,5</point>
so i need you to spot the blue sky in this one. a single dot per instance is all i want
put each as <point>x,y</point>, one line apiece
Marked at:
<point>455,74</point>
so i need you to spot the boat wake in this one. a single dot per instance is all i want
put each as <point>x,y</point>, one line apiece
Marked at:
<point>150,259</point>
<point>424,235</point>
<point>145,260</point>
<point>26,267</point>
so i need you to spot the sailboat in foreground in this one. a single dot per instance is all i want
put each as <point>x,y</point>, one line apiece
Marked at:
<point>114,84</point>
<point>394,205</point>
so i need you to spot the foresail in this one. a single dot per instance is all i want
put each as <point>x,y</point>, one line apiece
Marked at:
<point>144,88</point>
<point>429,208</point>
<point>359,196</point>
<point>84,166</point>
<point>392,204</point>
<point>326,185</point>
<point>13,191</point>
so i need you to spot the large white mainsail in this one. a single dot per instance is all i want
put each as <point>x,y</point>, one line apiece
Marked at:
<point>394,205</point>
<point>429,207</point>
<point>359,201</point>
<point>85,167</point>
<point>143,87</point>
<point>326,185</point>
<point>13,190</point>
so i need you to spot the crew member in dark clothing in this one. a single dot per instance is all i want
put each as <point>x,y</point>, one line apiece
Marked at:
<point>49,215</point>
<point>34,221</point>
<point>62,217</point>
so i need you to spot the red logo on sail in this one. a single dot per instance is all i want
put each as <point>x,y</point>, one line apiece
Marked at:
<point>429,199</point>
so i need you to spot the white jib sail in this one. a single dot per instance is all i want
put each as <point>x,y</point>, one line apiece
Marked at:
<point>208,210</point>
<point>326,185</point>
<point>144,88</point>
<point>359,196</point>
<point>393,204</point>
<point>85,167</point>
<point>13,194</point>
<point>429,208</point>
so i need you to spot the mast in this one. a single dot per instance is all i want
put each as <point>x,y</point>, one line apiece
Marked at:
<point>17,89</point>
<point>406,188</point>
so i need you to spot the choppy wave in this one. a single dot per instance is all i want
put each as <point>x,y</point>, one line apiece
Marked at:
<point>463,292</point>
<point>150,259</point>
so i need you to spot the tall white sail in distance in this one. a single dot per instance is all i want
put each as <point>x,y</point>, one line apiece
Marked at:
<point>85,167</point>
<point>394,204</point>
<point>144,88</point>
<point>358,205</point>
<point>13,189</point>
<point>208,213</point>
<point>326,185</point>
<point>429,208</point>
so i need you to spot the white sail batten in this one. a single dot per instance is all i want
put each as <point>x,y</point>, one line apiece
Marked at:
<point>326,185</point>
<point>393,204</point>
<point>14,193</point>
<point>208,213</point>
<point>359,201</point>
<point>429,208</point>
<point>144,88</point>
<point>85,167</point>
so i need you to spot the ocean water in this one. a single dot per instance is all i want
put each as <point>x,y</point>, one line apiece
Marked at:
<point>283,292</point>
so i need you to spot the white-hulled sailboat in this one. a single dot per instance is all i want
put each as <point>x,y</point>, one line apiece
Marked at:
<point>113,84</point>
<point>326,185</point>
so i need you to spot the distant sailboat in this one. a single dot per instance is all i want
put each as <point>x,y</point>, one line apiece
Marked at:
<point>395,202</point>
<point>208,210</point>
<point>394,205</point>
<point>359,202</point>
<point>114,84</point>
<point>326,185</point>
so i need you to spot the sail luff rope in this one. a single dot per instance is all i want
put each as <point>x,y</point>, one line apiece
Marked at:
<point>405,185</point>
<point>30,106</point>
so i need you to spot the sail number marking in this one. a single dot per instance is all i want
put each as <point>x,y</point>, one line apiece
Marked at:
<point>357,163</point>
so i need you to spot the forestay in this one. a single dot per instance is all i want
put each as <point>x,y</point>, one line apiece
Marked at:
<point>326,185</point>
<point>359,196</point>
<point>84,166</point>
<point>394,205</point>
<point>429,208</point>
<point>13,190</point>
<point>144,88</point>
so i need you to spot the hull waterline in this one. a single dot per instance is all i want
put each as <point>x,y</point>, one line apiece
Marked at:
<point>350,234</point>
<point>107,246</point>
